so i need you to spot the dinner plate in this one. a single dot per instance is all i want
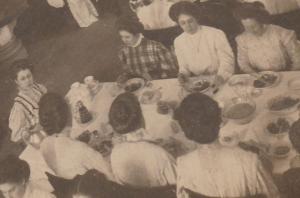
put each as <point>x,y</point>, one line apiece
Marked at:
<point>199,85</point>
<point>271,85</point>
<point>283,111</point>
<point>150,96</point>
<point>268,119</point>
<point>134,84</point>
<point>240,80</point>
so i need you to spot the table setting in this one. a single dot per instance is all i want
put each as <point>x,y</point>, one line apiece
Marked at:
<point>256,115</point>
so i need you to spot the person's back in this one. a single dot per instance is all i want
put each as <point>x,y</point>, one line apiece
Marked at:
<point>142,164</point>
<point>71,157</point>
<point>221,171</point>
<point>214,170</point>
<point>65,156</point>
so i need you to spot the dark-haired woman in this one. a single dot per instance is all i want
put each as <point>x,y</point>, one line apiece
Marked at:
<point>213,170</point>
<point>263,46</point>
<point>65,156</point>
<point>142,56</point>
<point>200,50</point>
<point>135,160</point>
<point>24,113</point>
<point>14,180</point>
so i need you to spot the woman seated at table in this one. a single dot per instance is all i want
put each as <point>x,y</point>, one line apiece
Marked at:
<point>24,113</point>
<point>65,156</point>
<point>200,50</point>
<point>212,169</point>
<point>154,15</point>
<point>135,160</point>
<point>263,46</point>
<point>142,56</point>
<point>14,180</point>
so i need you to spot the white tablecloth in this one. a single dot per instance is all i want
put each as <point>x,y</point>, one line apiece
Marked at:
<point>160,125</point>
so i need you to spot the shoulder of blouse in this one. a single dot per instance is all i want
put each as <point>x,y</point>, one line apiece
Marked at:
<point>179,39</point>
<point>212,31</point>
<point>16,108</point>
<point>278,30</point>
<point>186,158</point>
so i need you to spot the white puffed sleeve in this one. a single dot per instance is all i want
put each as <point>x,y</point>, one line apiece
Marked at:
<point>225,55</point>
<point>17,122</point>
<point>183,64</point>
<point>242,55</point>
<point>290,43</point>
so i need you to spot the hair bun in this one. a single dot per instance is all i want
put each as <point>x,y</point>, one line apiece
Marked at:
<point>259,5</point>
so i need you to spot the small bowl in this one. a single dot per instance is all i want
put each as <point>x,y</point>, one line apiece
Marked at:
<point>271,118</point>
<point>239,101</point>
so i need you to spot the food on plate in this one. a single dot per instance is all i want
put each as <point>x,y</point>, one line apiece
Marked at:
<point>282,102</point>
<point>281,125</point>
<point>265,80</point>
<point>163,107</point>
<point>282,150</point>
<point>132,87</point>
<point>150,96</point>
<point>239,111</point>
<point>84,137</point>
<point>199,86</point>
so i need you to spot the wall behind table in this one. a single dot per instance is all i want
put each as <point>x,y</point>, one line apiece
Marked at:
<point>279,6</point>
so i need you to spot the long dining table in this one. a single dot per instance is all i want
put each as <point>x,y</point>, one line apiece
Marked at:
<point>162,125</point>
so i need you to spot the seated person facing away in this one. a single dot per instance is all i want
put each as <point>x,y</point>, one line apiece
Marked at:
<point>263,46</point>
<point>142,56</point>
<point>200,50</point>
<point>212,169</point>
<point>292,177</point>
<point>24,113</point>
<point>135,160</point>
<point>94,185</point>
<point>65,156</point>
<point>14,180</point>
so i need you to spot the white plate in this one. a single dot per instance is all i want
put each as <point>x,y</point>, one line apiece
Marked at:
<point>285,111</point>
<point>156,96</point>
<point>270,85</point>
<point>132,81</point>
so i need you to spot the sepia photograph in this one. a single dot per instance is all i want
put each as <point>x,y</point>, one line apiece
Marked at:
<point>150,98</point>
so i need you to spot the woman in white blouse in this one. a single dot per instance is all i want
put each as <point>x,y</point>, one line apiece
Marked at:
<point>214,170</point>
<point>200,50</point>
<point>135,160</point>
<point>263,46</point>
<point>64,156</point>
<point>24,113</point>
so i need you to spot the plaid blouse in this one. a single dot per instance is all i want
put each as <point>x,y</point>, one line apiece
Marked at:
<point>149,57</point>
